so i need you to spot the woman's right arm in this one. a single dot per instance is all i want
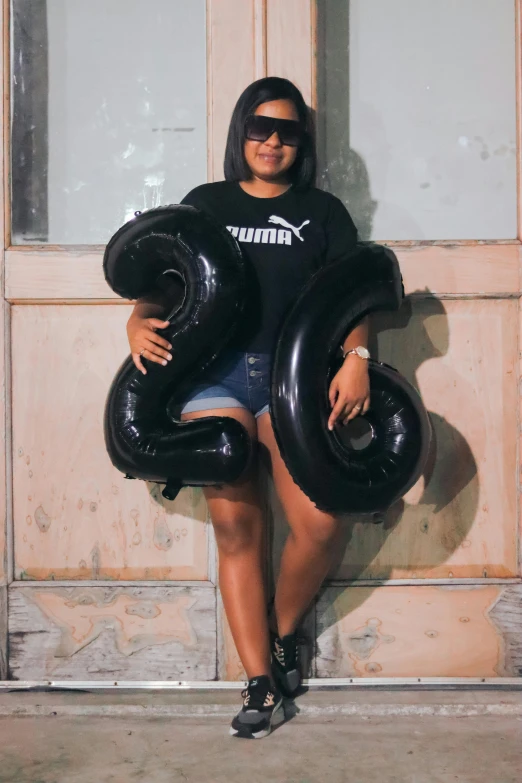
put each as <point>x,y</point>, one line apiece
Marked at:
<point>146,318</point>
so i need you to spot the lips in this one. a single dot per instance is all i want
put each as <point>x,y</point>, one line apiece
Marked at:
<point>270,158</point>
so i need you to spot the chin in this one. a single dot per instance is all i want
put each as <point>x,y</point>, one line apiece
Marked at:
<point>269,172</point>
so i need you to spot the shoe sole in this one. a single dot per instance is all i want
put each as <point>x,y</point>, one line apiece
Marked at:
<point>245,732</point>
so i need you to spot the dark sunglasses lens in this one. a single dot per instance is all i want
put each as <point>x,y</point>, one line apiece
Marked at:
<point>289,132</point>
<point>259,128</point>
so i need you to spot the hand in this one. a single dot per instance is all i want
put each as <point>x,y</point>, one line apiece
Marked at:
<point>349,392</point>
<point>144,341</point>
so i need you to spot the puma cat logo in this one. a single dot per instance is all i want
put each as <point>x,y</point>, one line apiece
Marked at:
<point>279,221</point>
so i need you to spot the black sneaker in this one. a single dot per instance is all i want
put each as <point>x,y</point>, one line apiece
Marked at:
<point>262,710</point>
<point>285,663</point>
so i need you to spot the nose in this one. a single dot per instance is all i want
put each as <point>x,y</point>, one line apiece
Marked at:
<point>274,140</point>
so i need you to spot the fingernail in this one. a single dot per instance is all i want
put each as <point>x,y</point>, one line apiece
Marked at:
<point>170,347</point>
<point>169,357</point>
<point>164,363</point>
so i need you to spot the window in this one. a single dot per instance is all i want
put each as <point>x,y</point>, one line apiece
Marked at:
<point>108,113</point>
<point>417,116</point>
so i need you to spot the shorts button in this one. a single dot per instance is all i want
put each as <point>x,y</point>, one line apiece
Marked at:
<point>251,360</point>
<point>252,373</point>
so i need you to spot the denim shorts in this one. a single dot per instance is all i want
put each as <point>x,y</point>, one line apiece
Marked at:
<point>235,380</point>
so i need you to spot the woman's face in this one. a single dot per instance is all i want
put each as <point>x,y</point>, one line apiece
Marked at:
<point>270,160</point>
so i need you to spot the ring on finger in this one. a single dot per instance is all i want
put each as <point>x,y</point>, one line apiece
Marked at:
<point>357,407</point>
<point>142,351</point>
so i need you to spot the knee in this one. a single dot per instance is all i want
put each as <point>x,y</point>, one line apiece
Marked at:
<point>321,530</point>
<point>236,533</point>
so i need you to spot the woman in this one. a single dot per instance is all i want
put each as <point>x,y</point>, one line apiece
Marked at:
<point>288,229</point>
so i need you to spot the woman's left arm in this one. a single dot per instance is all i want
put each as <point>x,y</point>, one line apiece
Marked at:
<point>349,392</point>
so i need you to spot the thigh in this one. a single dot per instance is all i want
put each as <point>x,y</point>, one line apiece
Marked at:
<point>301,513</point>
<point>235,498</point>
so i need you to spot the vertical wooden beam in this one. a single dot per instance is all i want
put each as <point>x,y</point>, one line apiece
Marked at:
<point>260,38</point>
<point>518,53</point>
<point>236,57</point>
<point>291,42</point>
<point>4,440</point>
<point>518,65</point>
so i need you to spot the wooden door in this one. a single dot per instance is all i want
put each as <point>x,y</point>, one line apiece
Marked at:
<point>108,581</point>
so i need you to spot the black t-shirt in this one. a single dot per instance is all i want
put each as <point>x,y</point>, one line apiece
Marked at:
<point>286,238</point>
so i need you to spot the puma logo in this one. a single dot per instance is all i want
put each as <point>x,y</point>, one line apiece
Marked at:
<point>279,221</point>
<point>269,236</point>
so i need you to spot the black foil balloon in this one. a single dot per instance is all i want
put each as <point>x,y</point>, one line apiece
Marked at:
<point>142,438</point>
<point>334,474</point>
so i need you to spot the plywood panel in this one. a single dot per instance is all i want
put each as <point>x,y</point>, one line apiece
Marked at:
<point>233,65</point>
<point>460,269</point>
<point>417,631</point>
<point>460,520</point>
<point>290,42</point>
<point>155,633</point>
<point>75,516</point>
<point>477,270</point>
<point>56,274</point>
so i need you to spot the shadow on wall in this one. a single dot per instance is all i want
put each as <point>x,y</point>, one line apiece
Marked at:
<point>417,534</point>
<point>341,170</point>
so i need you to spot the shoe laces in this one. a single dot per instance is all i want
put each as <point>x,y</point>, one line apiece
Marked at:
<point>255,697</point>
<point>279,651</point>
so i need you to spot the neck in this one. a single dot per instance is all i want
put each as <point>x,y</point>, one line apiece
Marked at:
<point>264,189</point>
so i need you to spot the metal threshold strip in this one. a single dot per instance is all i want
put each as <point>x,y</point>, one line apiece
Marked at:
<point>396,683</point>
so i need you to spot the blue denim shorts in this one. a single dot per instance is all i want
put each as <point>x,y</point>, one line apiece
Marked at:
<point>235,380</point>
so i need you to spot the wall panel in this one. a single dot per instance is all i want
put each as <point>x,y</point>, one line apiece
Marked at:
<point>75,516</point>
<point>460,520</point>
<point>82,633</point>
<point>420,631</point>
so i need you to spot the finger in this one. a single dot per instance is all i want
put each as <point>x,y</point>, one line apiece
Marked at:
<point>355,410</point>
<point>157,324</point>
<point>152,348</point>
<point>366,406</point>
<point>155,338</point>
<point>338,409</point>
<point>332,393</point>
<point>151,357</point>
<point>136,358</point>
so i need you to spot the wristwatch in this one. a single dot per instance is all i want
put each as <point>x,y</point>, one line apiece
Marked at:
<point>360,350</point>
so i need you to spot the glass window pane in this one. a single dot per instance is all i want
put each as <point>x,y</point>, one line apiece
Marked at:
<point>417,116</point>
<point>109,113</point>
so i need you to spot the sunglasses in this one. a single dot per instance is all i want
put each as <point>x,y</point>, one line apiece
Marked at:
<point>260,128</point>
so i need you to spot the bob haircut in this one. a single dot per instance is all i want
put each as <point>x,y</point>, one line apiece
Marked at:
<point>271,88</point>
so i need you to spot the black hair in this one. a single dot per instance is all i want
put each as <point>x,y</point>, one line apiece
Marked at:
<point>271,88</point>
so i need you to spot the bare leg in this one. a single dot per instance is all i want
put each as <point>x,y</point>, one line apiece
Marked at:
<point>237,517</point>
<point>311,544</point>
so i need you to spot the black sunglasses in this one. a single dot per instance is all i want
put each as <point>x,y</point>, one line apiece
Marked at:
<point>260,128</point>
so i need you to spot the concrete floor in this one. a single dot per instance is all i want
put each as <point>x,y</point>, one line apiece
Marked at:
<point>387,736</point>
